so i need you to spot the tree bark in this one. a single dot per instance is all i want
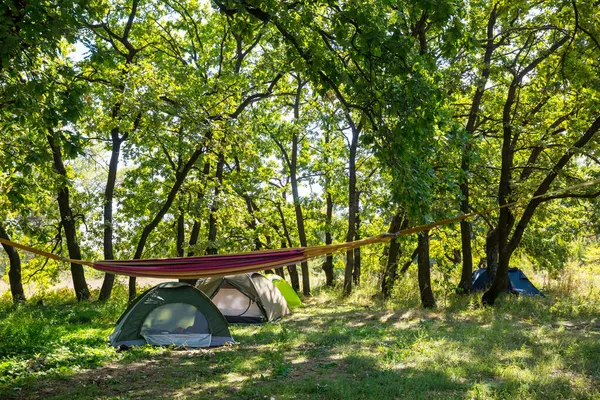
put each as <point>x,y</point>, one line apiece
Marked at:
<point>180,233</point>
<point>292,269</point>
<point>252,208</point>
<point>328,264</point>
<point>181,241</point>
<point>68,221</point>
<point>465,285</point>
<point>408,263</point>
<point>293,166</point>
<point>491,253</point>
<point>393,252</point>
<point>279,271</point>
<point>252,222</point>
<point>109,279</point>
<point>14,272</point>
<point>356,272</point>
<point>352,209</point>
<point>212,219</point>
<point>427,299</point>
<point>195,234</point>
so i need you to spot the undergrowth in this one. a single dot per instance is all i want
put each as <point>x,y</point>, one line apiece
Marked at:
<point>332,347</point>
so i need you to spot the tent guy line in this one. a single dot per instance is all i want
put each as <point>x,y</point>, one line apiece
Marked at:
<point>237,263</point>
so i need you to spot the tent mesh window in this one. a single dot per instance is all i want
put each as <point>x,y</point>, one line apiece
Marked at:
<point>232,302</point>
<point>175,318</point>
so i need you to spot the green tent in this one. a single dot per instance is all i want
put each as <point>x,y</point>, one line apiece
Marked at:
<point>286,290</point>
<point>171,313</point>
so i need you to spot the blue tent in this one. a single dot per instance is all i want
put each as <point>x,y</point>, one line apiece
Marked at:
<point>517,282</point>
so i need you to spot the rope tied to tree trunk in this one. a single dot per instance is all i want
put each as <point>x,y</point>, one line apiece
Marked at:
<point>236,263</point>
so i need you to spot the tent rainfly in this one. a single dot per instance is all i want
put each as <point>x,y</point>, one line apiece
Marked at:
<point>286,290</point>
<point>246,298</point>
<point>171,313</point>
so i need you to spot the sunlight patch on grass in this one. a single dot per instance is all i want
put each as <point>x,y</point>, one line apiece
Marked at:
<point>329,349</point>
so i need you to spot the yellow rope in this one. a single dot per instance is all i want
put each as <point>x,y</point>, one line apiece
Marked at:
<point>317,251</point>
<point>44,253</point>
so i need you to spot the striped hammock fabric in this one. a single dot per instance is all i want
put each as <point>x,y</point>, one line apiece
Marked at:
<point>224,264</point>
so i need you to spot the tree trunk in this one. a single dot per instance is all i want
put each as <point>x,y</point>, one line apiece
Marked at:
<point>180,233</point>
<point>293,167</point>
<point>509,140</point>
<point>465,285</point>
<point>14,272</point>
<point>292,269</point>
<point>427,299</point>
<point>501,279</point>
<point>393,252</point>
<point>352,209</point>
<point>491,253</point>
<point>181,241</point>
<point>251,207</point>
<point>408,263</point>
<point>195,234</point>
<point>109,279</point>
<point>356,272</point>
<point>68,222</point>
<point>328,264</point>
<point>212,219</point>
<point>252,222</point>
<point>500,282</point>
<point>279,271</point>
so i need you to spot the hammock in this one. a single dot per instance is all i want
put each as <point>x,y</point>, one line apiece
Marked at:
<point>225,264</point>
<point>211,265</point>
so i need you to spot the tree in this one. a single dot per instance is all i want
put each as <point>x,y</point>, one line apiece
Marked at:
<point>537,137</point>
<point>109,70</point>
<point>391,255</point>
<point>465,284</point>
<point>38,91</point>
<point>290,159</point>
<point>424,275</point>
<point>14,272</point>
<point>68,218</point>
<point>345,51</point>
<point>191,72</point>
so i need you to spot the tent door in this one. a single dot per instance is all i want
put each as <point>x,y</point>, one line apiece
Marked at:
<point>232,302</point>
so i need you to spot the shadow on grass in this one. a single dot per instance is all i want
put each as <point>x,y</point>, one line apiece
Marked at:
<point>324,352</point>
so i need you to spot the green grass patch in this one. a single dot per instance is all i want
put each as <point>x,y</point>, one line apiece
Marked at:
<point>331,348</point>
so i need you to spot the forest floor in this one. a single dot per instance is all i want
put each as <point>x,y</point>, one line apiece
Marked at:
<point>528,348</point>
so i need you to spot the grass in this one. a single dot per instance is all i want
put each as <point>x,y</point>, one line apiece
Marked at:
<point>329,349</point>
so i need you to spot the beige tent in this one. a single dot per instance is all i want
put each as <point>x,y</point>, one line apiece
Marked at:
<point>247,298</point>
